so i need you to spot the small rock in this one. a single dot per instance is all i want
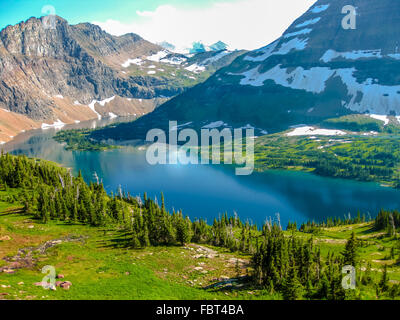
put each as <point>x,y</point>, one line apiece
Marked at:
<point>9,271</point>
<point>66,285</point>
<point>198,268</point>
<point>15,265</point>
<point>31,227</point>
<point>5,238</point>
<point>20,283</point>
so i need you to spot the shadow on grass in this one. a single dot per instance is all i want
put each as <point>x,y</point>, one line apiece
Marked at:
<point>122,239</point>
<point>119,239</point>
<point>9,212</point>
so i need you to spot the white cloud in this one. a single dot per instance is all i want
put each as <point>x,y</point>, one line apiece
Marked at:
<point>243,24</point>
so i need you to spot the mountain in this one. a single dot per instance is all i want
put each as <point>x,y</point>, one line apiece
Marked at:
<point>50,77</point>
<point>218,46</point>
<point>315,71</point>
<point>167,45</point>
<point>197,47</point>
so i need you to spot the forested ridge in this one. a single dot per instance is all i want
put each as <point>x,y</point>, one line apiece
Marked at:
<point>288,262</point>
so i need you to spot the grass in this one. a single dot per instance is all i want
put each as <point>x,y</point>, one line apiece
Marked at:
<point>105,267</point>
<point>102,265</point>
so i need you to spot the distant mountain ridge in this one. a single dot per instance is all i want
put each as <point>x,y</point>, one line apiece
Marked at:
<point>316,70</point>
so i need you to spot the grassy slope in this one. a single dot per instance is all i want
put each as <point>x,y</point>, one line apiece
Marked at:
<point>104,267</point>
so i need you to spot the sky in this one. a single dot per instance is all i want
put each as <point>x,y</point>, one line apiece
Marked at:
<point>242,24</point>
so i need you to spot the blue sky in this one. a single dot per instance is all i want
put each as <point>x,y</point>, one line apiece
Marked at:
<point>75,11</point>
<point>243,24</point>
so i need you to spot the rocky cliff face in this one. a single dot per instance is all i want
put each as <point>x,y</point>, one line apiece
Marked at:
<point>315,70</point>
<point>38,65</point>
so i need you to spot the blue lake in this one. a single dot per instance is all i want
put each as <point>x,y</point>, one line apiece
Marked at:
<point>207,191</point>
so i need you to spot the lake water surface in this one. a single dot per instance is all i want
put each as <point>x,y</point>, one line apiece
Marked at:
<point>207,191</point>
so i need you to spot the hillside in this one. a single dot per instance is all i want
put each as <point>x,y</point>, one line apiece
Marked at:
<point>315,71</point>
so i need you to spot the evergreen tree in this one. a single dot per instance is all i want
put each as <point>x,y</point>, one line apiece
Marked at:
<point>292,288</point>
<point>350,255</point>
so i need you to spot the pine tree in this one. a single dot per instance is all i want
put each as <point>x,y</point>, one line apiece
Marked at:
<point>384,283</point>
<point>350,255</point>
<point>182,231</point>
<point>292,288</point>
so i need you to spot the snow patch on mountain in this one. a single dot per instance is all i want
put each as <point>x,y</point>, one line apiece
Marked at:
<point>297,33</point>
<point>312,80</point>
<point>294,44</point>
<point>395,56</point>
<point>136,61</point>
<point>312,131</point>
<point>368,96</point>
<point>379,117</point>
<point>353,55</point>
<point>215,58</point>
<point>266,52</point>
<point>308,23</point>
<point>174,60</point>
<point>103,102</point>
<point>112,115</point>
<point>214,125</point>
<point>195,68</point>
<point>158,56</point>
<point>320,8</point>
<point>57,124</point>
<point>285,48</point>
